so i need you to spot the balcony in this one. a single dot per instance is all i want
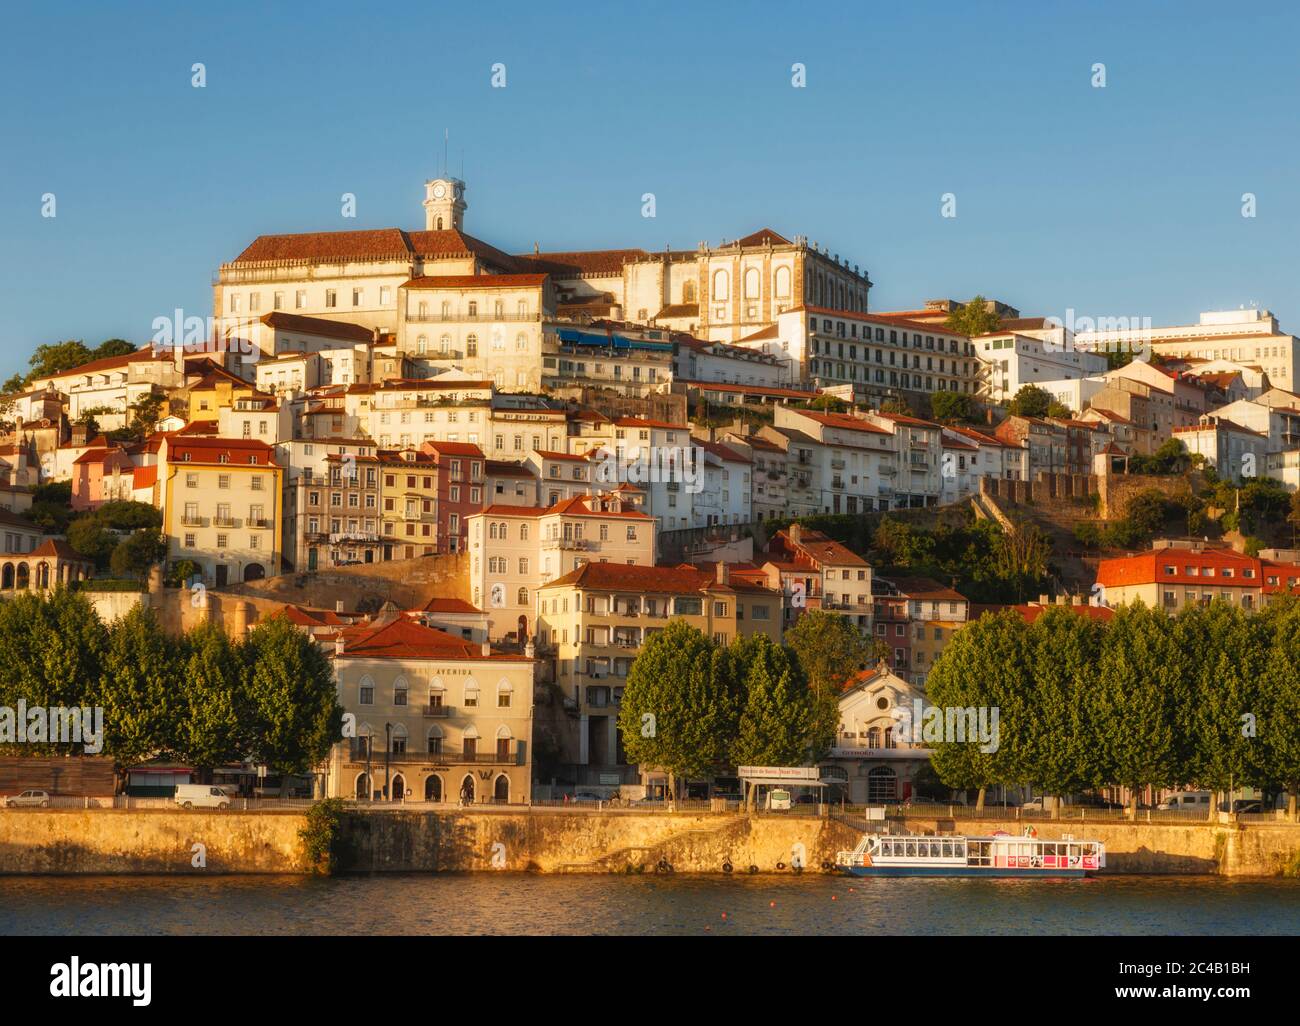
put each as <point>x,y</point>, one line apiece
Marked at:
<point>356,756</point>
<point>225,522</point>
<point>189,521</point>
<point>567,544</point>
<point>437,712</point>
<point>258,522</point>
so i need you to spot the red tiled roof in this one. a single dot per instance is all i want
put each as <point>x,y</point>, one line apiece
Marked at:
<point>475,281</point>
<point>600,262</point>
<point>683,579</point>
<point>1033,611</point>
<point>280,320</point>
<point>761,238</point>
<point>404,639</point>
<point>818,547</point>
<point>239,452</point>
<point>375,244</point>
<point>449,605</point>
<point>107,363</point>
<point>1150,568</point>
<point>145,477</point>
<point>925,588</point>
<point>455,449</point>
<point>719,386</point>
<point>843,421</point>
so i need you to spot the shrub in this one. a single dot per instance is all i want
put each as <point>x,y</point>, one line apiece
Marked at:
<point>322,836</point>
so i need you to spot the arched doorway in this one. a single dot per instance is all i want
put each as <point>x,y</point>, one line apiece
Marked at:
<point>23,579</point>
<point>43,575</point>
<point>882,785</point>
<point>501,790</point>
<point>399,789</point>
<point>433,788</point>
<point>254,572</point>
<point>7,577</point>
<point>363,787</point>
<point>523,624</point>
<point>467,789</point>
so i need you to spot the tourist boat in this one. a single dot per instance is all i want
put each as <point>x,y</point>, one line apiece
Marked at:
<point>1000,855</point>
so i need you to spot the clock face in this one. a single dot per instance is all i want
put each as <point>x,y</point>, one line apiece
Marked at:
<point>439,191</point>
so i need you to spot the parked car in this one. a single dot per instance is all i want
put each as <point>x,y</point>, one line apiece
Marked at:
<point>1247,805</point>
<point>806,799</point>
<point>29,799</point>
<point>649,799</point>
<point>202,796</point>
<point>1195,800</point>
<point>587,796</point>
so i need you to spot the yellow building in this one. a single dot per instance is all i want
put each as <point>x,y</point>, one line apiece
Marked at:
<point>437,718</point>
<point>215,389</point>
<point>221,506</point>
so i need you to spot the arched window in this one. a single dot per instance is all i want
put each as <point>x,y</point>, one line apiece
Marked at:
<point>501,790</point>
<point>438,227</point>
<point>436,694</point>
<point>523,532</point>
<point>397,738</point>
<point>782,283</point>
<point>366,690</point>
<point>469,743</point>
<point>503,736</point>
<point>433,788</point>
<point>721,283</point>
<point>399,789</point>
<point>362,787</point>
<point>467,789</point>
<point>688,292</point>
<point>471,345</point>
<point>523,597</point>
<point>399,691</point>
<point>751,283</point>
<point>422,345</point>
<point>434,739</point>
<point>471,693</point>
<point>504,690</point>
<point>873,737</point>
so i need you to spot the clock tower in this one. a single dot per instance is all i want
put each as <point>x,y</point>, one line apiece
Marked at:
<point>444,204</point>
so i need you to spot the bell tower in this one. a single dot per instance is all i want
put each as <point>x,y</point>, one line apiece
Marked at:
<point>444,204</point>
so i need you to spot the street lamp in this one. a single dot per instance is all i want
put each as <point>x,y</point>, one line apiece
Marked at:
<point>388,758</point>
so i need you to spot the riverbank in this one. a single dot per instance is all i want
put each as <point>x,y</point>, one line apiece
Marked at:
<point>173,841</point>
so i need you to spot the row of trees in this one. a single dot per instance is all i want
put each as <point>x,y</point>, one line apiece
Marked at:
<point>204,698</point>
<point>692,706</point>
<point>1210,697</point>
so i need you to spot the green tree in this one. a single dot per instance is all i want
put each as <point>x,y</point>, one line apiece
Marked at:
<point>56,357</point>
<point>1278,720</point>
<point>973,318</point>
<point>138,553</point>
<point>92,539</point>
<point>1021,557</point>
<point>210,731</point>
<point>1030,401</point>
<point>829,649</point>
<point>677,710</point>
<point>895,406</point>
<point>1059,410</point>
<point>1048,726</point>
<point>950,406</point>
<point>778,726</point>
<point>139,688</point>
<point>291,698</point>
<point>127,515</point>
<point>112,347</point>
<point>52,647</point>
<point>985,666</point>
<point>1133,699</point>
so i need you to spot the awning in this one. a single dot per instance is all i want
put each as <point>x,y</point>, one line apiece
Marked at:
<point>787,782</point>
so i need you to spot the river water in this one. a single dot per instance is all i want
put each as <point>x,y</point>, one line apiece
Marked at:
<point>511,903</point>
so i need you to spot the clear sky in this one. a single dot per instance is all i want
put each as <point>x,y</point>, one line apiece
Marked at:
<point>1120,201</point>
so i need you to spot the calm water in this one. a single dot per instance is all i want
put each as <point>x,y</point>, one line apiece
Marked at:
<point>516,903</point>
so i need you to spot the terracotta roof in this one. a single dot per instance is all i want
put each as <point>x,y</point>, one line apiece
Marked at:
<point>145,477</point>
<point>449,605</point>
<point>600,262</point>
<point>771,331</point>
<point>683,580</point>
<point>504,468</point>
<point>761,238</point>
<point>59,548</point>
<point>677,310</point>
<point>375,244</point>
<point>107,363</point>
<point>720,386</point>
<point>455,449</point>
<point>1033,611</point>
<point>844,422</point>
<point>820,548</point>
<point>884,320</point>
<point>404,639</point>
<point>924,588</point>
<point>1150,568</point>
<point>239,452</point>
<point>721,451</point>
<point>475,281</point>
<point>576,458</point>
<point>280,320</point>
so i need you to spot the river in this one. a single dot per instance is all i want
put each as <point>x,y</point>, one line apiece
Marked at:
<point>511,903</point>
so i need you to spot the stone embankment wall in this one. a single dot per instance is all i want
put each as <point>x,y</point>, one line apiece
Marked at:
<point>149,841</point>
<point>560,841</point>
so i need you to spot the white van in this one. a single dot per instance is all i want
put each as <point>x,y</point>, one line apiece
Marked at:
<point>1195,800</point>
<point>202,796</point>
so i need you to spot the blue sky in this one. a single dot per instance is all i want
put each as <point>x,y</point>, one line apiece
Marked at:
<point>1122,201</point>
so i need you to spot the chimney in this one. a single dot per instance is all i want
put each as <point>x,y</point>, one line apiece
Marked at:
<point>338,606</point>
<point>1076,600</point>
<point>1043,600</point>
<point>487,649</point>
<point>1060,600</point>
<point>796,533</point>
<point>722,572</point>
<point>338,645</point>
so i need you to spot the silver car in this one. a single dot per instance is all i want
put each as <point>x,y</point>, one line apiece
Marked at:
<point>29,799</point>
